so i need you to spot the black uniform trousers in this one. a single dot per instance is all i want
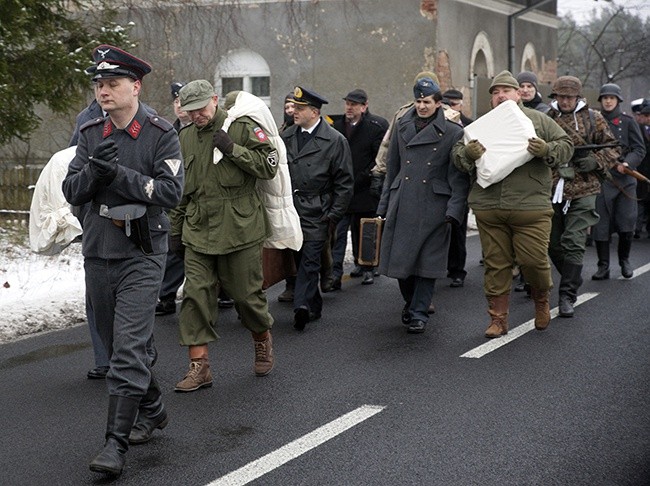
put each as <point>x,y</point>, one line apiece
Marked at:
<point>308,261</point>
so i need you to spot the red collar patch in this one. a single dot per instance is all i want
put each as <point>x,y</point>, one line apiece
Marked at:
<point>259,133</point>
<point>134,129</point>
<point>108,129</point>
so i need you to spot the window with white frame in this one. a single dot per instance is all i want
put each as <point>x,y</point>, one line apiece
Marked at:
<point>243,69</point>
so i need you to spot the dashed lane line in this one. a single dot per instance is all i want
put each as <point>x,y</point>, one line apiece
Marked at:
<point>292,450</point>
<point>496,343</point>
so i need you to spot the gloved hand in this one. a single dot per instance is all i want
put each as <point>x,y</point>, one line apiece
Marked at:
<point>537,147</point>
<point>103,161</point>
<point>587,163</point>
<point>176,246</point>
<point>474,149</point>
<point>376,185</point>
<point>331,224</point>
<point>567,173</point>
<point>223,142</point>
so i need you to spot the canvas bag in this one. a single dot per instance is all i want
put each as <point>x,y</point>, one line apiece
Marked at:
<point>504,132</point>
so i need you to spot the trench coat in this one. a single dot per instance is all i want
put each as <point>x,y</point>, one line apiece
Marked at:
<point>423,189</point>
<point>321,178</point>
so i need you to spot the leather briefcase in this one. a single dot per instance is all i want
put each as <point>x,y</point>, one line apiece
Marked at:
<point>369,241</point>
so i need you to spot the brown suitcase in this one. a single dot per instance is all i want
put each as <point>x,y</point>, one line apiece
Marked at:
<point>277,265</point>
<point>369,241</point>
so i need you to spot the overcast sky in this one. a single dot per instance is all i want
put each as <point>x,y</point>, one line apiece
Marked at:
<point>581,10</point>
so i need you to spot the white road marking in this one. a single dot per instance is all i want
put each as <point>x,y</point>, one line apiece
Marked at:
<point>292,450</point>
<point>637,272</point>
<point>496,343</point>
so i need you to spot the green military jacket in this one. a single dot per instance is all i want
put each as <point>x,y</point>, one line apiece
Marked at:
<point>527,187</point>
<point>221,211</point>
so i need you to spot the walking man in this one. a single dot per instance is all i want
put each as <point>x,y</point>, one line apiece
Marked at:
<point>219,226</point>
<point>128,167</point>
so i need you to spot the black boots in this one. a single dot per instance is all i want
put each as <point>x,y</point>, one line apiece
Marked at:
<point>624,247</point>
<point>570,282</point>
<point>151,415</point>
<point>602,249</point>
<point>121,415</point>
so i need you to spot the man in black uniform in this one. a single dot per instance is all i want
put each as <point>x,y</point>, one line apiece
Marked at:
<point>322,179</point>
<point>128,166</point>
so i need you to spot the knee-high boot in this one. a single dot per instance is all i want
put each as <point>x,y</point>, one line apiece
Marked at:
<point>121,415</point>
<point>624,247</point>
<point>151,415</point>
<point>602,249</point>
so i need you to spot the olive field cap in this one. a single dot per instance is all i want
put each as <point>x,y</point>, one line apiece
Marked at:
<point>113,62</point>
<point>426,74</point>
<point>195,95</point>
<point>504,78</point>
<point>303,96</point>
<point>610,89</point>
<point>566,86</point>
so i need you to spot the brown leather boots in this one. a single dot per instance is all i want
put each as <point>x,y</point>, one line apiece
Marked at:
<point>498,310</point>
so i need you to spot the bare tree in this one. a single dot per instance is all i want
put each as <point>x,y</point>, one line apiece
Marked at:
<point>609,48</point>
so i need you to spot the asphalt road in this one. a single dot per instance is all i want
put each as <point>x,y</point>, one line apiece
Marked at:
<point>355,400</point>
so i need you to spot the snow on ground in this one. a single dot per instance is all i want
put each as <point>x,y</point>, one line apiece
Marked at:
<point>37,293</point>
<point>42,293</point>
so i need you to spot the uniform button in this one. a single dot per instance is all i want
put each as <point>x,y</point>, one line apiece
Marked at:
<point>406,178</point>
<point>424,181</point>
<point>434,149</point>
<point>160,226</point>
<point>428,163</point>
<point>408,161</point>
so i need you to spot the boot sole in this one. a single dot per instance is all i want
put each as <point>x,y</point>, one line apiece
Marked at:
<point>160,426</point>
<point>185,390</point>
<point>105,470</point>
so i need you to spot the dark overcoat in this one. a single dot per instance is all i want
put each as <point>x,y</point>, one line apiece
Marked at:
<point>422,189</point>
<point>321,178</point>
<point>364,141</point>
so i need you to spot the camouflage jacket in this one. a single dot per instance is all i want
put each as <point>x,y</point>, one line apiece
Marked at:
<point>585,127</point>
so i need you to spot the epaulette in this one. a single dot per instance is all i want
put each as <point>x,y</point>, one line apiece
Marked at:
<point>161,123</point>
<point>90,123</point>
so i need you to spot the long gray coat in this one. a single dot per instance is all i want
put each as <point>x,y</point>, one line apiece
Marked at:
<point>422,188</point>
<point>321,178</point>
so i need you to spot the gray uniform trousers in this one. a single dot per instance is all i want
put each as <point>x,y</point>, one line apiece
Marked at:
<point>123,294</point>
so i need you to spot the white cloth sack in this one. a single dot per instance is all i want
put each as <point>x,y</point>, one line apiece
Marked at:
<point>52,226</point>
<point>276,193</point>
<point>504,132</point>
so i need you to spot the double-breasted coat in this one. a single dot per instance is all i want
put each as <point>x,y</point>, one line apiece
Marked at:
<point>321,178</point>
<point>422,190</point>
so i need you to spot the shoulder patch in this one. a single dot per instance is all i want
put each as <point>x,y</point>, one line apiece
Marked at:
<point>161,123</point>
<point>90,123</point>
<point>259,133</point>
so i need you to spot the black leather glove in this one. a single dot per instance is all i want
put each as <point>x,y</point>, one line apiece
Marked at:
<point>376,185</point>
<point>103,161</point>
<point>176,246</point>
<point>106,150</point>
<point>223,142</point>
<point>587,163</point>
